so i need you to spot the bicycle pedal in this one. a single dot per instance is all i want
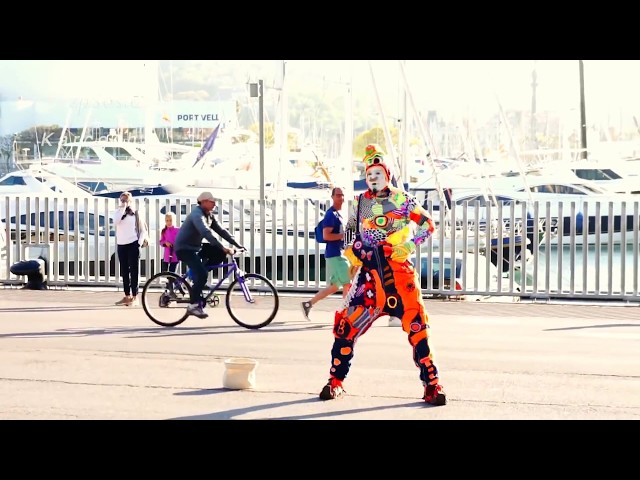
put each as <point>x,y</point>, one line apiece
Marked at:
<point>213,301</point>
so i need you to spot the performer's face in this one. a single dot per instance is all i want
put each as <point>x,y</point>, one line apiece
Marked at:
<point>376,179</point>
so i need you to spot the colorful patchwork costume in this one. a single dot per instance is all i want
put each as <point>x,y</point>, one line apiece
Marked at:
<point>389,224</point>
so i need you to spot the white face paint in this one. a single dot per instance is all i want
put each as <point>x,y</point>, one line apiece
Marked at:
<point>376,179</point>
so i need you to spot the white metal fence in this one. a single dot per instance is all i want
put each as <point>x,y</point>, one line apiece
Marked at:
<point>540,250</point>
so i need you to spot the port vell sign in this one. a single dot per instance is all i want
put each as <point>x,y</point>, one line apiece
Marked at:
<point>20,115</point>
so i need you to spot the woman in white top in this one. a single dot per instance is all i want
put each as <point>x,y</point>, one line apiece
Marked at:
<point>131,233</point>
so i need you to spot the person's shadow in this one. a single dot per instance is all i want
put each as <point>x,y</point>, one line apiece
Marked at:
<point>239,412</point>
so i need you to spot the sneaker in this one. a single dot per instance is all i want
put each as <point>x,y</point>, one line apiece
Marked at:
<point>125,301</point>
<point>306,308</point>
<point>133,302</point>
<point>169,291</point>
<point>197,311</point>
<point>164,300</point>
<point>434,394</point>
<point>333,389</point>
<point>171,294</point>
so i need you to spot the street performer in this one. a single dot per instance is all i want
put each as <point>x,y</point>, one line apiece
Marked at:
<point>389,225</point>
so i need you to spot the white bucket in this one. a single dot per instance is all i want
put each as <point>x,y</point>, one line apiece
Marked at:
<point>239,373</point>
<point>395,322</point>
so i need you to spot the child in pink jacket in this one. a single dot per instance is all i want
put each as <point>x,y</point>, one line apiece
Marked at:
<point>167,239</point>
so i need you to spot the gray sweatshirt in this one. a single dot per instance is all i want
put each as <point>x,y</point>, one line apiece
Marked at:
<point>198,226</point>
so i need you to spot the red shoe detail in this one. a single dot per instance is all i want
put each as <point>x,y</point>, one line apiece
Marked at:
<point>332,390</point>
<point>434,395</point>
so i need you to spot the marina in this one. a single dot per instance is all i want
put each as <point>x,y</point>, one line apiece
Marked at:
<point>530,279</point>
<point>514,218</point>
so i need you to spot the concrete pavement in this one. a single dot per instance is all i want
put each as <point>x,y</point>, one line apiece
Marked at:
<point>72,354</point>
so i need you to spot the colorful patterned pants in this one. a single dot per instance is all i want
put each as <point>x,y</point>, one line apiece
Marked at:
<point>389,288</point>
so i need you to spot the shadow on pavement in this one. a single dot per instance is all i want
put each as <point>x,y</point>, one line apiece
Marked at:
<point>87,332</point>
<point>237,412</point>
<point>279,327</point>
<point>158,332</point>
<point>202,391</point>
<point>593,326</point>
<point>52,308</point>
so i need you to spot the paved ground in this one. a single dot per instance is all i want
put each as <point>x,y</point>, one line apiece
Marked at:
<point>71,354</point>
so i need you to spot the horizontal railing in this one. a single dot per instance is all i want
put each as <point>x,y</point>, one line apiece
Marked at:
<point>541,250</point>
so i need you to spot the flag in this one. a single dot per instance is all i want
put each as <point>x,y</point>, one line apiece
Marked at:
<point>208,145</point>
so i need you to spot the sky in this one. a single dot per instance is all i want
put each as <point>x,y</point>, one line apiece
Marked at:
<point>473,86</point>
<point>477,85</point>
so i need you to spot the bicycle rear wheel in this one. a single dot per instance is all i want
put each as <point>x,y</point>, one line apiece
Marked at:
<point>252,301</point>
<point>165,297</point>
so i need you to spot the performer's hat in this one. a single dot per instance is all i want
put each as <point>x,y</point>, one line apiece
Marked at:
<point>375,158</point>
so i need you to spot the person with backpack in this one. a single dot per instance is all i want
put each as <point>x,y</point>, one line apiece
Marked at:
<point>337,264</point>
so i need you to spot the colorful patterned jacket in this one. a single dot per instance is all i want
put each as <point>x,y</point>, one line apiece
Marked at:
<point>397,223</point>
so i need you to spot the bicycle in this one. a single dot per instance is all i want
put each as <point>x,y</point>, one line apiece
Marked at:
<point>244,293</point>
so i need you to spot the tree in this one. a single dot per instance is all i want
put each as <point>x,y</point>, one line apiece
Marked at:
<point>374,135</point>
<point>269,137</point>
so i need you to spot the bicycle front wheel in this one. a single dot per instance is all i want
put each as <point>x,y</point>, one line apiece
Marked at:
<point>165,297</point>
<point>252,301</point>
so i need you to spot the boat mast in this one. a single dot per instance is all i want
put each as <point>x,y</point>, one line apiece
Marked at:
<point>280,148</point>
<point>404,135</point>
<point>284,128</point>
<point>534,85</point>
<point>514,148</point>
<point>62,134</point>
<point>583,116</point>
<point>150,101</point>
<point>387,135</point>
<point>347,148</point>
<point>425,140</point>
<point>171,100</point>
<point>36,150</point>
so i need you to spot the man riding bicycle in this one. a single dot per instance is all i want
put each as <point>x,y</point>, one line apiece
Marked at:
<point>198,225</point>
